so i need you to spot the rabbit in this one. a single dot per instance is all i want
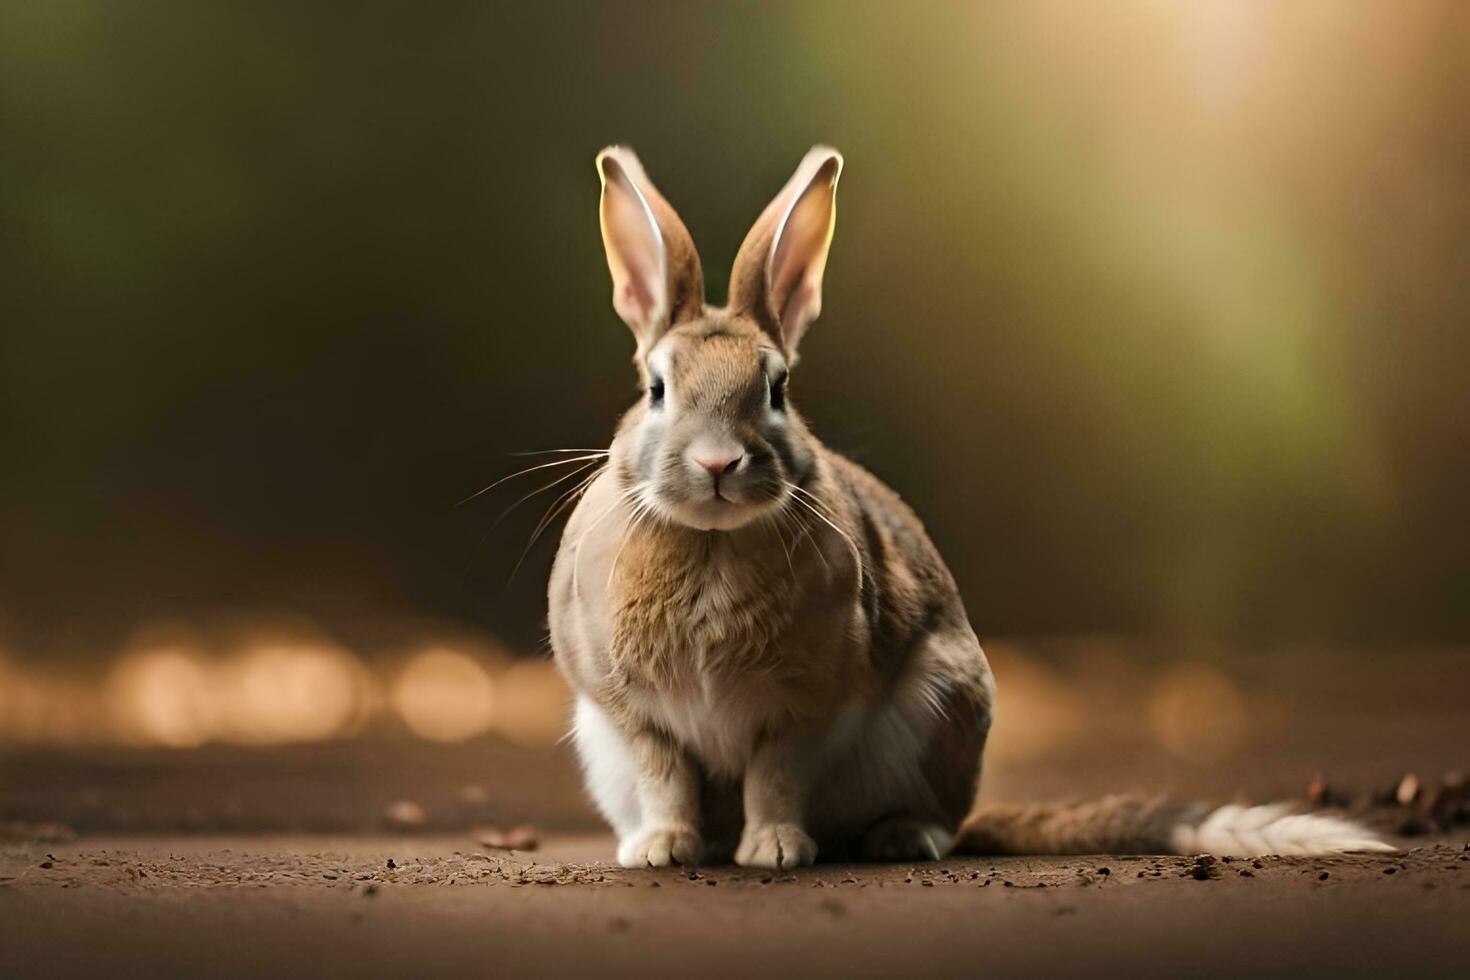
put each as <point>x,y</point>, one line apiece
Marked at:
<point>769,658</point>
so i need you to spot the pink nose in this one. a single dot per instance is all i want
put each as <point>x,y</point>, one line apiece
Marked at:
<point>718,466</point>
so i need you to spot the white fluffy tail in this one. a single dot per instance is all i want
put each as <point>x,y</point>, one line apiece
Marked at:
<point>1248,831</point>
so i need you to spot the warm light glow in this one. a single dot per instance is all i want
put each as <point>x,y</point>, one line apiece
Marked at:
<point>8,681</point>
<point>162,697</point>
<point>531,703</point>
<point>284,692</point>
<point>1198,713</point>
<point>445,696</point>
<point>1041,712</point>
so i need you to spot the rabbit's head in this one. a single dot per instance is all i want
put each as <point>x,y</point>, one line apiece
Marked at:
<point>713,444</point>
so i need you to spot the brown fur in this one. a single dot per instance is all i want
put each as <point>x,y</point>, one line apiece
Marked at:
<point>730,660</point>
<point>1111,825</point>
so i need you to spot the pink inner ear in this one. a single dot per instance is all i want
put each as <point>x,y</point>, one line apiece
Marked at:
<point>634,251</point>
<point>799,259</point>
<point>633,302</point>
<point>803,306</point>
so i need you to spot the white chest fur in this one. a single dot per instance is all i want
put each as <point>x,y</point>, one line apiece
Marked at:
<point>719,725</point>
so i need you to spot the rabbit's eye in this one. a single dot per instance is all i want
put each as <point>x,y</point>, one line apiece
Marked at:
<point>656,392</point>
<point>777,388</point>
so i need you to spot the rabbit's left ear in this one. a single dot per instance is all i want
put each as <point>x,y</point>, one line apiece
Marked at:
<point>777,278</point>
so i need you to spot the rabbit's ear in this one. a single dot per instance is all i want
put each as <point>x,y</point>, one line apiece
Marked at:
<point>657,279</point>
<point>777,277</point>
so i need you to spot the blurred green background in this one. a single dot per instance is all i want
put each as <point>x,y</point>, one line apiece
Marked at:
<point>1156,312</point>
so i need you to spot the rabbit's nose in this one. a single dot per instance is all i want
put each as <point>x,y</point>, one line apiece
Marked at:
<point>720,465</point>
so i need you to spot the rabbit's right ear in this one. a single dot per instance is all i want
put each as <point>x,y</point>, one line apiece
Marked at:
<point>657,278</point>
<point>777,278</point>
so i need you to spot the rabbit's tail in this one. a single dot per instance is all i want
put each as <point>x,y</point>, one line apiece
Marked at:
<point>1133,825</point>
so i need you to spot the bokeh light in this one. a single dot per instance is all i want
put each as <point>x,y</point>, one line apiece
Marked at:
<point>1198,713</point>
<point>277,692</point>
<point>8,678</point>
<point>48,709</point>
<point>163,697</point>
<point>445,695</point>
<point>531,703</point>
<point>177,688</point>
<point>1037,710</point>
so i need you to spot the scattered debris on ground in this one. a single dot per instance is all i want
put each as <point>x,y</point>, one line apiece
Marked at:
<point>1412,807</point>
<point>521,838</point>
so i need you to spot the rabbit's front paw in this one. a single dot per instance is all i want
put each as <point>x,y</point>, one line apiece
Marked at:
<point>775,845</point>
<point>661,846</point>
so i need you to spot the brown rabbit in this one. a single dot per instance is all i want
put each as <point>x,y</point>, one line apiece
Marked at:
<point>770,658</point>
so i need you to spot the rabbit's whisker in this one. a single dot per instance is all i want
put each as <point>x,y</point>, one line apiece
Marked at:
<point>788,521</point>
<point>642,510</point>
<point>772,521</point>
<point>806,535</point>
<point>561,503</point>
<point>622,499</point>
<point>557,506</point>
<point>803,532</point>
<point>529,469</point>
<point>546,452</point>
<point>814,501</point>
<point>856,554</point>
<point>581,469</point>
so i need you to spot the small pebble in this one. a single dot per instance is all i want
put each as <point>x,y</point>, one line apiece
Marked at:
<point>406,814</point>
<point>1408,790</point>
<point>521,838</point>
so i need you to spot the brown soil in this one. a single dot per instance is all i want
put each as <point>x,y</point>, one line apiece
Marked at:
<point>228,862</point>
<point>383,906</point>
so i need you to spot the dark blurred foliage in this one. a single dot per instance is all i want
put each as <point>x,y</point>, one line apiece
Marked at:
<point>1157,313</point>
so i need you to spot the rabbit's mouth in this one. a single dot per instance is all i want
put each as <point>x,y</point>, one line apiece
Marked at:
<point>717,512</point>
<point>714,513</point>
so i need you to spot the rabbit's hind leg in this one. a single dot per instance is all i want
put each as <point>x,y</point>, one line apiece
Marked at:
<point>914,778</point>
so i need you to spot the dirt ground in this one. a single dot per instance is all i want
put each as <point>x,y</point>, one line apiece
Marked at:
<point>415,906</point>
<point>237,861</point>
